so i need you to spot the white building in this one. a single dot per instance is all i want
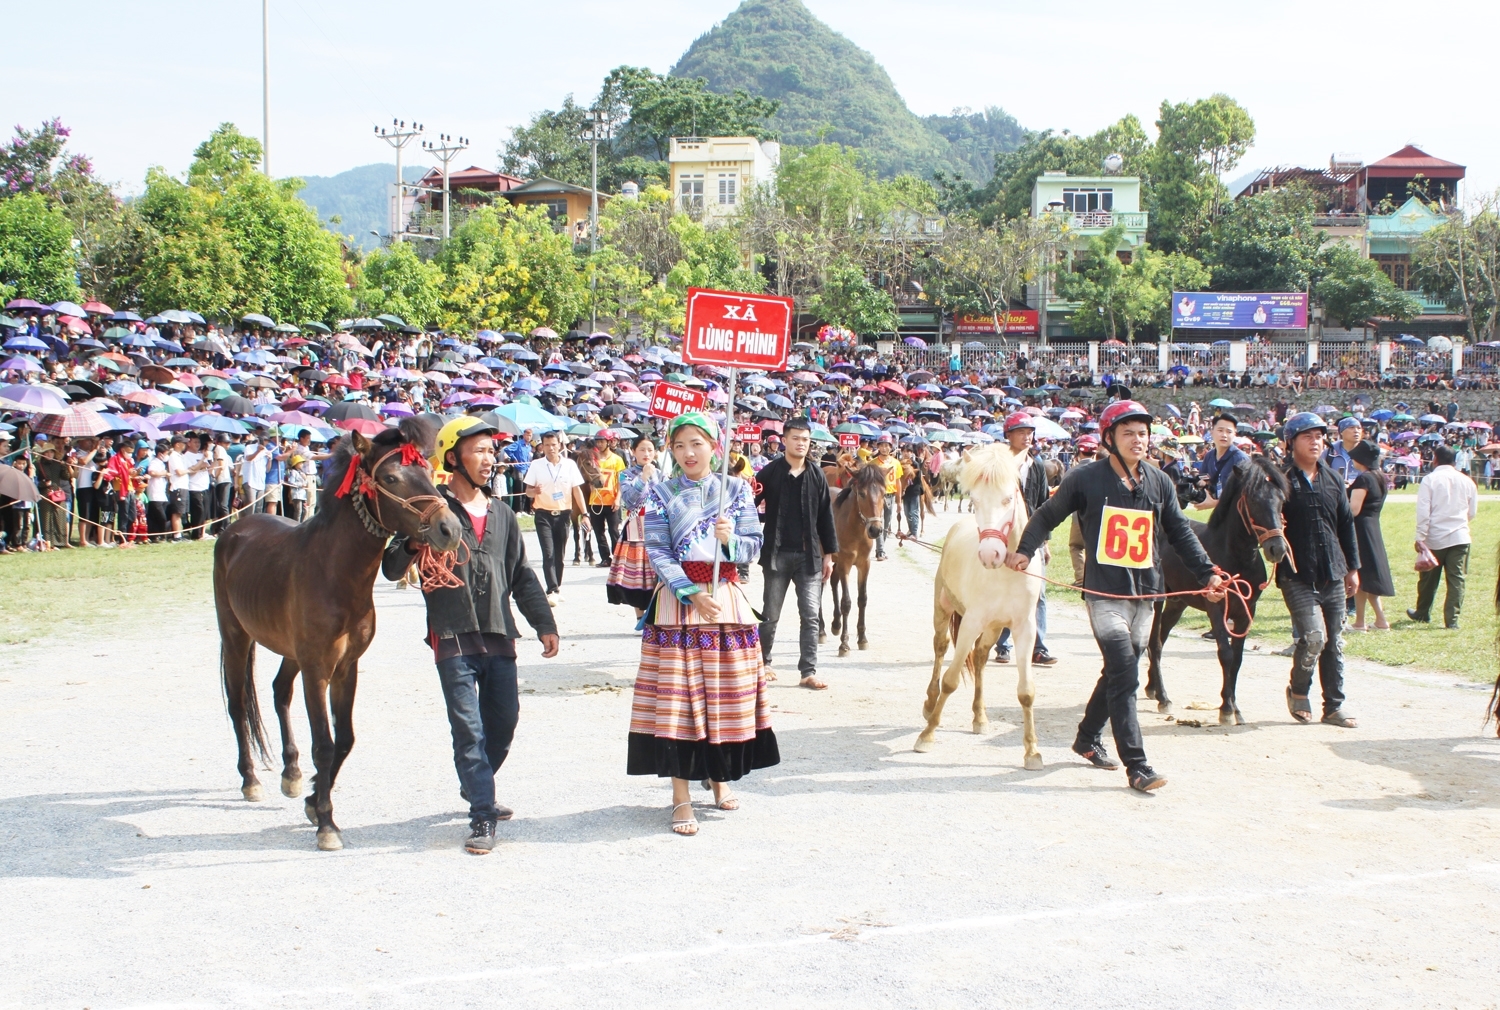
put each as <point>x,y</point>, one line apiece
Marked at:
<point>711,176</point>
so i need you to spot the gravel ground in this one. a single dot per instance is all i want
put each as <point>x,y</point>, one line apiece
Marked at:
<point>1283,866</point>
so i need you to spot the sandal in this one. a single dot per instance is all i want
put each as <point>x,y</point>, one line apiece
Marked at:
<point>1356,627</point>
<point>1338,717</point>
<point>687,828</point>
<point>1300,708</point>
<point>727,801</point>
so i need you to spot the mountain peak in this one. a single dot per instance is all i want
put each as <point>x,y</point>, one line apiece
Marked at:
<point>829,88</point>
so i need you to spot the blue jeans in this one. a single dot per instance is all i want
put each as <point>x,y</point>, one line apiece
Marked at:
<point>1041,627</point>
<point>1121,630</point>
<point>483,708</point>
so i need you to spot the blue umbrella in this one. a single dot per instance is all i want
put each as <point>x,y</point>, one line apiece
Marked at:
<point>527,416</point>
<point>20,363</point>
<point>25,342</point>
<point>777,400</point>
<point>529,384</point>
<point>1382,415</point>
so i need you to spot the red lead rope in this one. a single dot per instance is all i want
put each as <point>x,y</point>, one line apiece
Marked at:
<point>1236,586</point>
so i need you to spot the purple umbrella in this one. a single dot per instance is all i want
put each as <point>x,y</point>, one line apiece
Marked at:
<point>25,342</point>
<point>33,399</point>
<point>25,303</point>
<point>915,342</point>
<point>295,417</point>
<point>395,408</point>
<point>20,364</point>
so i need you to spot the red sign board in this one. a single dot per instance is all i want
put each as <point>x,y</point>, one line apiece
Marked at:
<point>737,330</point>
<point>748,433</point>
<point>669,399</point>
<point>848,440</point>
<point>1015,321</point>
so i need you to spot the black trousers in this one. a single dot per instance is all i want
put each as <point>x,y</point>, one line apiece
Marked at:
<point>198,512</point>
<point>605,519</point>
<point>156,519</point>
<point>552,530</point>
<point>1122,629</point>
<point>218,506</point>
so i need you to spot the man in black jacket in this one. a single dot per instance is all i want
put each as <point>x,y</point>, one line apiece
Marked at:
<point>1124,506</point>
<point>800,542</point>
<point>1319,528</point>
<point>470,627</point>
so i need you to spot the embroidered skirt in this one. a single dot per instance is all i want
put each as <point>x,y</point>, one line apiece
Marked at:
<point>700,709</point>
<point>631,579</point>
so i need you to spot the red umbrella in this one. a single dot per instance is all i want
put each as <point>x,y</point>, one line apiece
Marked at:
<point>361,425</point>
<point>76,422</point>
<point>336,380</point>
<point>97,309</point>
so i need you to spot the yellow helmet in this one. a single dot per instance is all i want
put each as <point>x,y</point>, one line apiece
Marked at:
<point>453,432</point>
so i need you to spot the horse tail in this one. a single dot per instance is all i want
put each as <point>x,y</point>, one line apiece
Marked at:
<point>244,693</point>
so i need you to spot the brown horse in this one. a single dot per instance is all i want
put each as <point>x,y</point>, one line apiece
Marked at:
<point>305,592</point>
<point>858,518</point>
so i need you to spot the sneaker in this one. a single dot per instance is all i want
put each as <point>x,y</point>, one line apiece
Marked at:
<point>1096,755</point>
<point>1043,658</point>
<point>1002,655</point>
<point>551,599</point>
<point>1144,780</point>
<point>481,837</point>
<point>1414,616</point>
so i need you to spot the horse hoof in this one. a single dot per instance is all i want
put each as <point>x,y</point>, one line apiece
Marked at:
<point>822,639</point>
<point>980,727</point>
<point>330,841</point>
<point>843,650</point>
<point>311,810</point>
<point>253,793</point>
<point>863,646</point>
<point>291,788</point>
<point>1164,707</point>
<point>1226,718</point>
<point>1239,720</point>
<point>922,746</point>
<point>1033,762</point>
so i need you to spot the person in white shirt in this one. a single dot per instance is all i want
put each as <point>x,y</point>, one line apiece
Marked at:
<point>1446,501</point>
<point>221,474</point>
<point>253,473</point>
<point>197,488</point>
<point>156,492</point>
<point>177,485</point>
<point>553,482</point>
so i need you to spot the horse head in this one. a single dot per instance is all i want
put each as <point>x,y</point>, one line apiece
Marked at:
<point>993,486</point>
<point>1256,491</point>
<point>866,488</point>
<point>391,474</point>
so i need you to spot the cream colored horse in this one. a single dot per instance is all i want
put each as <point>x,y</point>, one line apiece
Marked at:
<point>976,596</point>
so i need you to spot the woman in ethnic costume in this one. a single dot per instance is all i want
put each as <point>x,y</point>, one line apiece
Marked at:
<point>632,580</point>
<point>700,709</point>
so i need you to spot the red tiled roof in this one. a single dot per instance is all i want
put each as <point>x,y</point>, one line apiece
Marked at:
<point>1412,160</point>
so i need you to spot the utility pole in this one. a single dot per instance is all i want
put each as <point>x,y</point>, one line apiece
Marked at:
<point>265,86</point>
<point>398,136</point>
<point>595,129</point>
<point>445,150</point>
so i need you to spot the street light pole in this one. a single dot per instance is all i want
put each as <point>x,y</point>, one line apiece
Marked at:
<point>398,136</point>
<point>445,150</point>
<point>265,86</point>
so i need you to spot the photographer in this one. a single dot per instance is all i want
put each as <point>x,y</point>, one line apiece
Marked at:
<point>1221,459</point>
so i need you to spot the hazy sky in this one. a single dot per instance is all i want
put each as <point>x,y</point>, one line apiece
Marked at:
<point>141,82</point>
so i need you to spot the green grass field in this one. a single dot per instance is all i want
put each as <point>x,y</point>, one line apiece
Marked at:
<point>1469,651</point>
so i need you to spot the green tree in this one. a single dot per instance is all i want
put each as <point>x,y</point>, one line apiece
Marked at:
<point>397,281</point>
<point>983,269</point>
<point>551,144</point>
<point>1459,263</point>
<point>36,250</point>
<point>1266,242</point>
<point>507,268</point>
<point>1152,277</point>
<point>847,298</point>
<point>1099,285</point>
<point>1353,289</point>
<point>1197,142</point>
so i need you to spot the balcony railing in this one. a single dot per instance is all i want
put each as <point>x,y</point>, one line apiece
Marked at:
<point>1099,220</point>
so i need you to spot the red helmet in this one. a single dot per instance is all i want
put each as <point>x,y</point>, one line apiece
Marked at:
<point>1088,443</point>
<point>1020,419</point>
<point>1123,410</point>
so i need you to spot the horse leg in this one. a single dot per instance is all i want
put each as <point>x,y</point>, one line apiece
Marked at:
<point>834,581</point>
<point>1024,637</point>
<point>944,627</point>
<point>864,578</point>
<point>237,668</point>
<point>977,658</point>
<point>341,696</point>
<point>963,644</point>
<point>1156,686</point>
<point>822,625</point>
<point>1231,652</point>
<point>291,773</point>
<point>845,603</point>
<point>319,805</point>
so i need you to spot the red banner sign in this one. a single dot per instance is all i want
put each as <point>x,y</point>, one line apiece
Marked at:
<point>748,433</point>
<point>848,440</point>
<point>1014,321</point>
<point>737,330</point>
<point>669,399</point>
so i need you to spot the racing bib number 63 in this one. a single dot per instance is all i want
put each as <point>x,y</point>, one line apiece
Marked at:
<point>1125,537</point>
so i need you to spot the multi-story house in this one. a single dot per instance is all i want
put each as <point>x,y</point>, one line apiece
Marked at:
<point>711,176</point>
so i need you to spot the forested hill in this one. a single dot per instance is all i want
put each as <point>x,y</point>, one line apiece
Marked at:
<point>359,197</point>
<point>832,90</point>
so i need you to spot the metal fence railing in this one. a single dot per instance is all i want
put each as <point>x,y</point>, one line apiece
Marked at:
<point>1356,359</point>
<point>1208,357</point>
<point>1055,359</point>
<point>1411,361</point>
<point>1267,357</point>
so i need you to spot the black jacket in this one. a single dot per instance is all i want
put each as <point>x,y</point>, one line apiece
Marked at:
<point>816,505</point>
<point>491,571</point>
<point>1035,490</point>
<point>1085,491</point>
<point>1320,528</point>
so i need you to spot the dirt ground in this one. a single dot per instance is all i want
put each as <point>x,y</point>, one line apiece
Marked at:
<point>1283,865</point>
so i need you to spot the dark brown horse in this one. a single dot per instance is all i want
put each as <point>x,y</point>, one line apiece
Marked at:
<point>305,592</point>
<point>858,518</point>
